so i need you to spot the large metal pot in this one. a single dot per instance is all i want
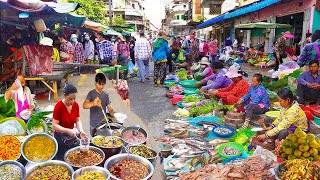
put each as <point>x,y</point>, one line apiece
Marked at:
<point>52,162</point>
<point>39,134</point>
<point>89,169</point>
<point>109,151</point>
<point>104,130</point>
<point>116,158</point>
<point>130,128</point>
<point>17,164</point>
<point>90,148</point>
<point>152,159</point>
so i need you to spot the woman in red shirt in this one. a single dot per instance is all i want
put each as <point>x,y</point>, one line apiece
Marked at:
<point>65,115</point>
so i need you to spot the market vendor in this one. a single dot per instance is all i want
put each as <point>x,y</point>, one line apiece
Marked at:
<point>22,97</point>
<point>66,114</point>
<point>218,79</point>
<point>97,99</point>
<point>291,117</point>
<point>256,102</point>
<point>205,67</point>
<point>232,94</point>
<point>308,89</point>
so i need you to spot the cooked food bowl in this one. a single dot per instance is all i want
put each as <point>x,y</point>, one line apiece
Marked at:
<point>50,170</point>
<point>12,170</point>
<point>39,147</point>
<point>129,138</point>
<point>77,158</point>
<point>141,167</point>
<point>143,151</point>
<point>107,145</point>
<point>87,172</point>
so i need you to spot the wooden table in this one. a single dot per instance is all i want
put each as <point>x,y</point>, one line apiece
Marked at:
<point>54,77</point>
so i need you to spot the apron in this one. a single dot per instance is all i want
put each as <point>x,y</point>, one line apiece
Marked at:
<point>21,107</point>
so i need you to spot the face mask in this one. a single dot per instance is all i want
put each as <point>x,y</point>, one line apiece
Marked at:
<point>96,39</point>
<point>87,38</point>
<point>74,40</point>
<point>113,40</point>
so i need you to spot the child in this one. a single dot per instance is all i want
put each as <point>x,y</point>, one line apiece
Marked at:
<point>96,100</point>
<point>205,67</point>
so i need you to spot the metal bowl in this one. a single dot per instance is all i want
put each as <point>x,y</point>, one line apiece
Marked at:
<point>130,128</point>
<point>120,117</point>
<point>39,134</point>
<point>17,164</point>
<point>89,169</point>
<point>152,159</point>
<point>109,151</point>
<point>78,148</point>
<point>51,162</point>
<point>19,149</point>
<point>105,131</point>
<point>166,150</point>
<point>116,158</point>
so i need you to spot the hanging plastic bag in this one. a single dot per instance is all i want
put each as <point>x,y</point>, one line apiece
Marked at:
<point>136,68</point>
<point>130,67</point>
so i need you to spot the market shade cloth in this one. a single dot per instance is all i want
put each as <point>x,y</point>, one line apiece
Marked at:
<point>45,7</point>
<point>39,58</point>
<point>262,25</point>
<point>211,22</point>
<point>111,32</point>
<point>238,12</point>
<point>251,8</point>
<point>93,26</point>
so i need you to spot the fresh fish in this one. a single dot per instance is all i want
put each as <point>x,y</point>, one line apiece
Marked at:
<point>193,163</point>
<point>202,123</point>
<point>218,141</point>
<point>176,121</point>
<point>176,164</point>
<point>204,160</point>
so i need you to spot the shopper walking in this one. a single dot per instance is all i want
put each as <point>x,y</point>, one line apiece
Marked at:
<point>159,52</point>
<point>142,53</point>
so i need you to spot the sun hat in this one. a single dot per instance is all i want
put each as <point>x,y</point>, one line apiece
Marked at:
<point>287,34</point>
<point>74,36</point>
<point>205,61</point>
<point>233,73</point>
<point>46,41</point>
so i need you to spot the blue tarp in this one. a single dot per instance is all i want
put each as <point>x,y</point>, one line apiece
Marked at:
<point>238,12</point>
<point>211,22</point>
<point>250,8</point>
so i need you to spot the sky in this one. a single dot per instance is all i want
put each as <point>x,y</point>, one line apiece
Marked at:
<point>155,11</point>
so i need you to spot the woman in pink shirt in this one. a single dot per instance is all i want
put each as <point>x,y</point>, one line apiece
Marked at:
<point>203,48</point>
<point>213,49</point>
<point>205,67</point>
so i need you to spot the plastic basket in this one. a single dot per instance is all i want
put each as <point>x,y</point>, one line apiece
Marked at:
<point>234,145</point>
<point>316,120</point>
<point>188,83</point>
<point>224,135</point>
<point>189,91</point>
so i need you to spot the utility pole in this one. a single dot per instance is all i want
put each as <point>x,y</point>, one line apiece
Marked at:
<point>110,13</point>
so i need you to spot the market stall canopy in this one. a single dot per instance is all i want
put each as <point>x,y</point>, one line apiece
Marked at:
<point>111,32</point>
<point>93,25</point>
<point>38,6</point>
<point>262,25</point>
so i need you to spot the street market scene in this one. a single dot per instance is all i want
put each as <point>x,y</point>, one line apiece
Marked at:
<point>160,89</point>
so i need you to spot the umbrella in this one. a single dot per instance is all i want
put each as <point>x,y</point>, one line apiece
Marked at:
<point>262,25</point>
<point>111,32</point>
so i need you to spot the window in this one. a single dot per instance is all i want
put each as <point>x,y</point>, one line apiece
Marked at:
<point>215,9</point>
<point>178,17</point>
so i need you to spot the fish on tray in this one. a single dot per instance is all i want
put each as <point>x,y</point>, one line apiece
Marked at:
<point>218,141</point>
<point>176,164</point>
<point>180,134</point>
<point>193,163</point>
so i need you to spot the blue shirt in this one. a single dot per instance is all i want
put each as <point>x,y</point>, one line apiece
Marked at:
<point>307,77</point>
<point>219,81</point>
<point>257,95</point>
<point>160,53</point>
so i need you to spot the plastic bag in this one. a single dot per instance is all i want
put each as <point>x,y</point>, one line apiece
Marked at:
<point>136,68</point>
<point>11,127</point>
<point>130,67</point>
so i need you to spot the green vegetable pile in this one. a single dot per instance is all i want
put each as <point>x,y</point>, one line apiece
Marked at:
<point>192,98</point>
<point>201,110</point>
<point>7,109</point>
<point>182,75</point>
<point>37,119</point>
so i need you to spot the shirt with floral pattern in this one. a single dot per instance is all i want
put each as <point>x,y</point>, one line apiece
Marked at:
<point>78,52</point>
<point>280,46</point>
<point>294,115</point>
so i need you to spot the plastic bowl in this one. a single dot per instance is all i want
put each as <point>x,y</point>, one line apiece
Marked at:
<point>224,135</point>
<point>188,83</point>
<point>316,120</point>
<point>25,114</point>
<point>307,111</point>
<point>273,114</point>
<point>230,144</point>
<point>180,105</point>
<point>175,100</point>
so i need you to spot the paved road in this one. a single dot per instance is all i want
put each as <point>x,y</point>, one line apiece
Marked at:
<point>150,103</point>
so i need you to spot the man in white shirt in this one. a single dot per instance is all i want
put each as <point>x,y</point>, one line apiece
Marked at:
<point>142,53</point>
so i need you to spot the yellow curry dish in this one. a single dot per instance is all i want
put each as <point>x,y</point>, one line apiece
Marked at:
<point>39,148</point>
